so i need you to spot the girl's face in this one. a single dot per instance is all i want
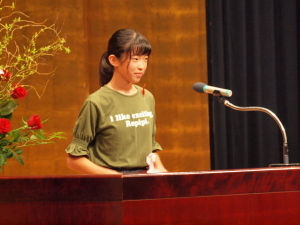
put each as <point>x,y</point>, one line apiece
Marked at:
<point>132,68</point>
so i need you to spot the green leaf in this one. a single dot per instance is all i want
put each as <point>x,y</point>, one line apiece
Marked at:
<point>19,151</point>
<point>59,135</point>
<point>44,121</point>
<point>24,139</point>
<point>8,107</point>
<point>67,50</point>
<point>20,159</point>
<point>16,135</point>
<point>4,142</point>
<point>25,135</point>
<point>9,154</point>
<point>33,137</point>
<point>41,137</point>
<point>9,116</point>
<point>17,19</point>
<point>2,160</point>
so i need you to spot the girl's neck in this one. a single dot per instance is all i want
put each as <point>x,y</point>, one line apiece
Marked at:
<point>124,88</point>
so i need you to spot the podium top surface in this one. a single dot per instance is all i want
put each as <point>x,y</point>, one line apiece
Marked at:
<point>149,186</point>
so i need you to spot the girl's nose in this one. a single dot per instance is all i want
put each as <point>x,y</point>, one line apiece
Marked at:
<point>142,65</point>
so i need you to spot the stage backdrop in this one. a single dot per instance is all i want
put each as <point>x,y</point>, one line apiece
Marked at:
<point>254,51</point>
<point>177,32</point>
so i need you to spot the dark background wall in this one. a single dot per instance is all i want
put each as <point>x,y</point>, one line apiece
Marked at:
<point>254,51</point>
<point>177,32</point>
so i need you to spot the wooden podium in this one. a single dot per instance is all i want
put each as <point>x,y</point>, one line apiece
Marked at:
<point>247,196</point>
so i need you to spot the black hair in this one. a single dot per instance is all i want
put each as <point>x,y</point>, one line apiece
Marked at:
<point>122,41</point>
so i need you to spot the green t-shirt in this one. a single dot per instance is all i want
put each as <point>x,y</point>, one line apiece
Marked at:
<point>116,130</point>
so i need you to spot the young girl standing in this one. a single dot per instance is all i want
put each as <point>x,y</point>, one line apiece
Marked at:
<point>115,129</point>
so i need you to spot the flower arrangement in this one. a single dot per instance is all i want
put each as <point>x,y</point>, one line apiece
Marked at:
<point>25,47</point>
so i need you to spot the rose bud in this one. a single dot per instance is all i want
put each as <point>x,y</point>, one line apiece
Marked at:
<point>34,122</point>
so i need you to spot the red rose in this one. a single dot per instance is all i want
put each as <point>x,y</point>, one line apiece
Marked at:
<point>34,122</point>
<point>18,92</point>
<point>4,75</point>
<point>4,126</point>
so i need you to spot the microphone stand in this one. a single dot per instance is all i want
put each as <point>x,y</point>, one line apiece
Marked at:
<point>270,113</point>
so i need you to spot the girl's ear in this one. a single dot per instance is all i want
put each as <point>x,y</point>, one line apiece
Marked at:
<point>113,60</point>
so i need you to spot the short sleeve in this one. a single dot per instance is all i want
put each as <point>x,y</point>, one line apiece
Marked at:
<point>78,147</point>
<point>84,130</point>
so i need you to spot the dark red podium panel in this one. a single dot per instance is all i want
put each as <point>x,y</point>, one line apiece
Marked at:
<point>248,196</point>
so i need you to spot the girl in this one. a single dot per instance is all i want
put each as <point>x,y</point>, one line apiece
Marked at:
<point>115,129</point>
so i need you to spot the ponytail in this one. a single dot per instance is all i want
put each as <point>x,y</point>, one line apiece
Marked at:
<point>106,70</point>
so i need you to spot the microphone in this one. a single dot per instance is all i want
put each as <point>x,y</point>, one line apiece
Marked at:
<point>204,88</point>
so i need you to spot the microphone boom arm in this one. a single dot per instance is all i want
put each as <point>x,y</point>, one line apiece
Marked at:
<point>270,113</point>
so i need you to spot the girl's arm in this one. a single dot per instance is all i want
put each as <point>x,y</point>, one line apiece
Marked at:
<point>83,165</point>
